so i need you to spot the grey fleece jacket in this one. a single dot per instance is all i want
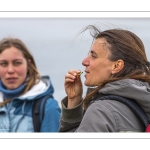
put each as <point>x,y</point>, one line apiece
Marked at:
<point>109,115</point>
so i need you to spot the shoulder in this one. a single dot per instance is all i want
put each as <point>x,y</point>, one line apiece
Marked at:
<point>114,107</point>
<point>51,118</point>
<point>51,104</point>
<point>107,107</point>
<point>117,112</point>
<point>98,118</point>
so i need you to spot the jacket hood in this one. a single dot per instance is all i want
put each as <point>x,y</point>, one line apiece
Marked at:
<point>44,87</point>
<point>130,88</point>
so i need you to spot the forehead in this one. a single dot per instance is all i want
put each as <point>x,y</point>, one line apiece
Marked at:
<point>100,47</point>
<point>100,42</point>
<point>11,52</point>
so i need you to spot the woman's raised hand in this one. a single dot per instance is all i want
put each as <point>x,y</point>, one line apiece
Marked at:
<point>73,88</point>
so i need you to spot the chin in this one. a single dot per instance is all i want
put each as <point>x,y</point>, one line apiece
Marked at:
<point>12,87</point>
<point>90,84</point>
<point>87,84</point>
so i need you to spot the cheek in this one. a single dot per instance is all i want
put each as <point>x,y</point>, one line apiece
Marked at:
<point>22,71</point>
<point>105,72</point>
<point>2,72</point>
<point>102,71</point>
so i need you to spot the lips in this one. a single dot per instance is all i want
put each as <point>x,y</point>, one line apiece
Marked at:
<point>11,80</point>
<point>87,71</point>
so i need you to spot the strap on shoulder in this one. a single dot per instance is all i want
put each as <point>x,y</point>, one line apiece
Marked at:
<point>132,104</point>
<point>38,112</point>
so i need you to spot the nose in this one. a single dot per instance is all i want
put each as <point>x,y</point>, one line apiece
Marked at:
<point>10,69</point>
<point>85,61</point>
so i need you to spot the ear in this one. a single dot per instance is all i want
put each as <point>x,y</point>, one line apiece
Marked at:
<point>28,63</point>
<point>117,66</point>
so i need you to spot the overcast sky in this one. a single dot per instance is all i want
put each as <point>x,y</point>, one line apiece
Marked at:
<point>55,45</point>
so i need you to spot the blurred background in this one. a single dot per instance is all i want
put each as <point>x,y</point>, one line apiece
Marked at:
<point>56,46</point>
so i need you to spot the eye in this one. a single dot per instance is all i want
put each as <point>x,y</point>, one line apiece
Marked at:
<point>92,54</point>
<point>3,64</point>
<point>16,63</point>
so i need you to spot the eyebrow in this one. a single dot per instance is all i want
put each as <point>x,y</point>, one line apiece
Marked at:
<point>13,60</point>
<point>93,52</point>
<point>100,42</point>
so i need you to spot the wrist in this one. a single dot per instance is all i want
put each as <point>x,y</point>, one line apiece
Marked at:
<point>74,102</point>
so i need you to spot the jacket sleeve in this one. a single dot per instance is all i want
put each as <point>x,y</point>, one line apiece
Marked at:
<point>51,120</point>
<point>70,118</point>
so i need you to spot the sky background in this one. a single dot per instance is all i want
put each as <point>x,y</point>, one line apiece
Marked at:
<point>57,48</point>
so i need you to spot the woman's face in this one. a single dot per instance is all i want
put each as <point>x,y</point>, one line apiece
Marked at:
<point>13,68</point>
<point>97,66</point>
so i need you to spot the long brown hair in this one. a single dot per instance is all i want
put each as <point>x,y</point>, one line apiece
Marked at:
<point>33,74</point>
<point>125,45</point>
